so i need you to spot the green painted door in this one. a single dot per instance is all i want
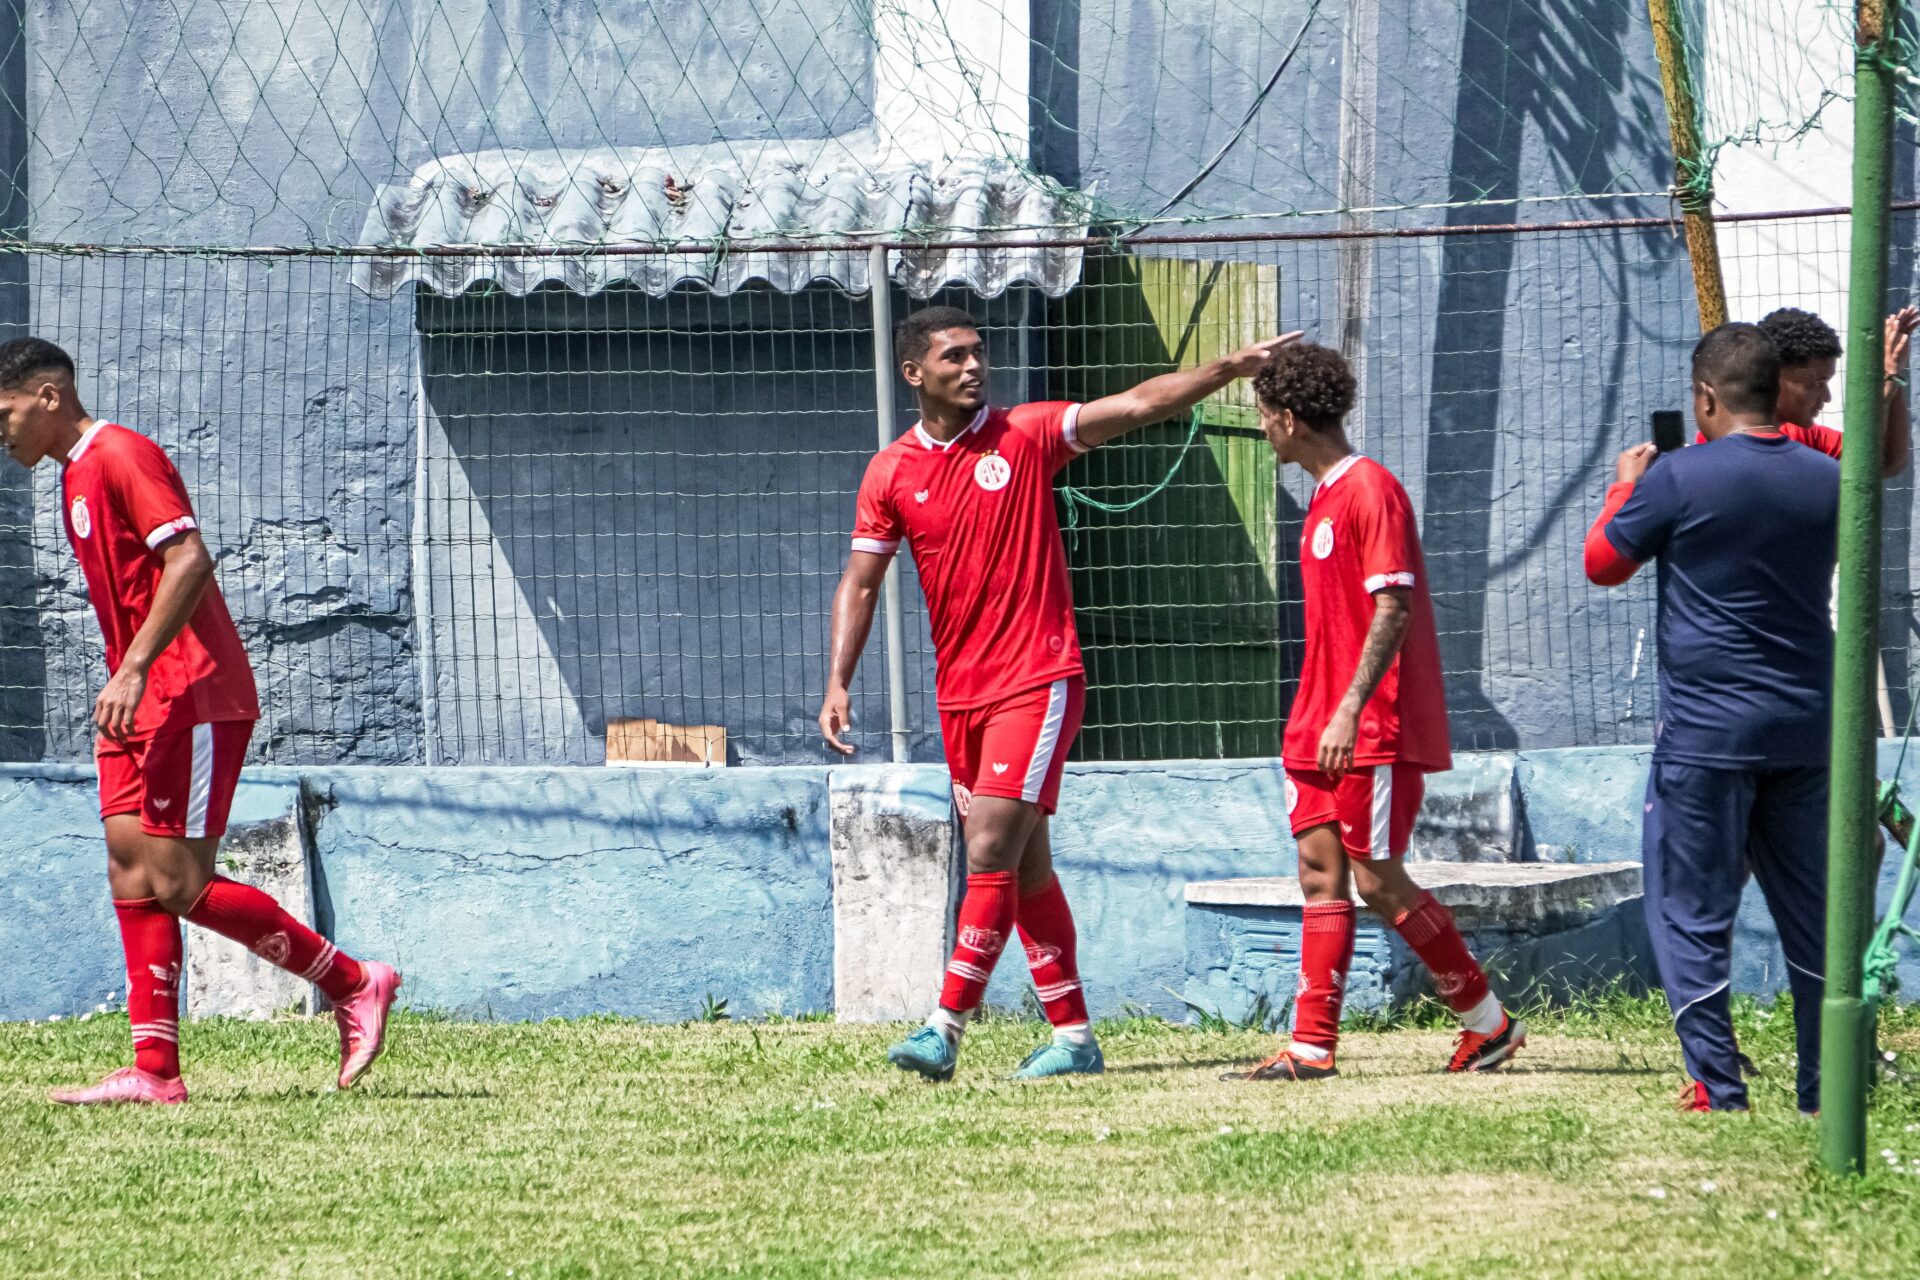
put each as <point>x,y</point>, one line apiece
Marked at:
<point>1179,598</point>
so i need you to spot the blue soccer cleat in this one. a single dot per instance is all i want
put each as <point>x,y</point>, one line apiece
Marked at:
<point>1057,1058</point>
<point>926,1051</point>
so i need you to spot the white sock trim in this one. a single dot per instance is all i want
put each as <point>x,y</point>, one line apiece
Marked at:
<point>1078,1034</point>
<point>949,1024</point>
<point>1309,1052</point>
<point>1484,1018</point>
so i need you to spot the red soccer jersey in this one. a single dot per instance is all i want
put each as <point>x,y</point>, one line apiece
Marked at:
<point>1823,439</point>
<point>978,513</point>
<point>123,498</point>
<point>1360,537</point>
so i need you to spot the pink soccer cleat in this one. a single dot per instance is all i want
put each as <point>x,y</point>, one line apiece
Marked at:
<point>128,1084</point>
<point>363,1020</point>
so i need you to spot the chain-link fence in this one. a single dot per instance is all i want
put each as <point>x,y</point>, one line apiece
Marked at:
<point>480,528</point>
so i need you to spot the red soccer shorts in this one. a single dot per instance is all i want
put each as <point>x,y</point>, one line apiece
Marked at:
<point>1375,805</point>
<point>1017,747</point>
<point>180,781</point>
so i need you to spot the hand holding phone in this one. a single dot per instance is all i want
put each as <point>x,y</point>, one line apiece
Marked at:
<point>1669,430</point>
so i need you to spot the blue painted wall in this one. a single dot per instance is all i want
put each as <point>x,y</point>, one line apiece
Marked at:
<point>529,892</point>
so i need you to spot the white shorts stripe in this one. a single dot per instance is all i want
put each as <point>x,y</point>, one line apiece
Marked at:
<point>200,789</point>
<point>1047,744</point>
<point>1380,841</point>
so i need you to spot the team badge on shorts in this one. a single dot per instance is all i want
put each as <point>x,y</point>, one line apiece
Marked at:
<point>1323,539</point>
<point>82,522</point>
<point>962,799</point>
<point>1293,796</point>
<point>992,472</point>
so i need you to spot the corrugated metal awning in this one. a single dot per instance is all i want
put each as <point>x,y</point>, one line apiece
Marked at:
<point>705,216</point>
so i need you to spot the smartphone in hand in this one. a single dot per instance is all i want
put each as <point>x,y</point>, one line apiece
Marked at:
<point>1669,430</point>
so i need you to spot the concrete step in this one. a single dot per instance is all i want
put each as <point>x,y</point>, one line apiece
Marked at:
<point>1516,897</point>
<point>1538,928</point>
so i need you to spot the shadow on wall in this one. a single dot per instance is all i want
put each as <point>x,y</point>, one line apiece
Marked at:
<point>1522,64</point>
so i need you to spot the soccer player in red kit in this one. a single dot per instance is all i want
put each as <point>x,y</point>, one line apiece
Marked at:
<point>970,489</point>
<point>174,720</point>
<point>1810,356</point>
<point>1369,722</point>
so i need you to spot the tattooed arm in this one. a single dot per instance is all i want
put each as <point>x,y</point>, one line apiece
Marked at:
<point>1392,611</point>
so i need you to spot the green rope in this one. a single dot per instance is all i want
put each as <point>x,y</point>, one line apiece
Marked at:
<point>1077,498</point>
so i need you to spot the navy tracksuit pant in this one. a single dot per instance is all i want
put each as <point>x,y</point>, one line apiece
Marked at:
<point>1705,829</point>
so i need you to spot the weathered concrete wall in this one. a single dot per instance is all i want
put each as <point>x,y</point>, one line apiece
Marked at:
<point>532,893</point>
<point>527,892</point>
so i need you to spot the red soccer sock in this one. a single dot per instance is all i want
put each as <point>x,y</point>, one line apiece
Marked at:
<point>1430,931</point>
<point>986,918</point>
<point>1046,926</point>
<point>258,923</point>
<point>1326,953</point>
<point>151,938</point>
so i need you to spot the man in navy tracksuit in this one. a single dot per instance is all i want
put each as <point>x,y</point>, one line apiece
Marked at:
<point>1743,528</point>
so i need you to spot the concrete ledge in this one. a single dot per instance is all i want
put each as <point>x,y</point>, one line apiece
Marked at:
<point>896,870</point>
<point>264,847</point>
<point>1539,929</point>
<point>1513,896</point>
<point>1472,813</point>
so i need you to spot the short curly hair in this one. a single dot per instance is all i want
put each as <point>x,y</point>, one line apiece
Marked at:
<point>1314,381</point>
<point>1800,336</point>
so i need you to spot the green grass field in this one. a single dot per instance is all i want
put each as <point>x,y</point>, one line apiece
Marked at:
<point>612,1148</point>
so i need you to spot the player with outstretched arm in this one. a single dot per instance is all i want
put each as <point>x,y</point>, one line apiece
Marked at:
<point>969,489</point>
<point>174,720</point>
<point>1369,722</point>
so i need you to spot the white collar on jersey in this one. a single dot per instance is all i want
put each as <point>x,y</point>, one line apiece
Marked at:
<point>931,443</point>
<point>1346,465</point>
<point>86,438</point>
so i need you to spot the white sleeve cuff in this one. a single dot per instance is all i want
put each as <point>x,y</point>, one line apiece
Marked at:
<point>876,546</point>
<point>168,529</point>
<point>1381,581</point>
<point>1070,429</point>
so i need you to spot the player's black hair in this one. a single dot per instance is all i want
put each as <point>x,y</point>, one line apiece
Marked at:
<point>1313,381</point>
<point>912,336</point>
<point>1741,364</point>
<point>1801,337</point>
<point>21,358</point>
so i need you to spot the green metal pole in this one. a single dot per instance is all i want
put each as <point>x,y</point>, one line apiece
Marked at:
<point>1846,1020</point>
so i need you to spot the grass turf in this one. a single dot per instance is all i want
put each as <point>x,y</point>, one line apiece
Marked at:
<point>605,1147</point>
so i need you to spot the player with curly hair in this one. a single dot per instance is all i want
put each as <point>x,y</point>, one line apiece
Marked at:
<point>1368,723</point>
<point>1809,355</point>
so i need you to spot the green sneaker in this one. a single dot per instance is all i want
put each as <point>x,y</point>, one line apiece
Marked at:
<point>1058,1059</point>
<point>926,1051</point>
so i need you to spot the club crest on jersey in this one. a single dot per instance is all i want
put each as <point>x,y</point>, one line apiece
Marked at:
<point>82,522</point>
<point>921,495</point>
<point>992,472</point>
<point>1323,538</point>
